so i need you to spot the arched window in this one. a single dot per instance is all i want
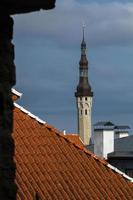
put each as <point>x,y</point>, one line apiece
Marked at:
<point>85,111</point>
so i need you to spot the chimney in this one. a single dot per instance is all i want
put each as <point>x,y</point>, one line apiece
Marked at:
<point>103,139</point>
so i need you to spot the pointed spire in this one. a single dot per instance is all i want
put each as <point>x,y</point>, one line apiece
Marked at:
<point>83,44</point>
<point>83,88</point>
<point>83,60</point>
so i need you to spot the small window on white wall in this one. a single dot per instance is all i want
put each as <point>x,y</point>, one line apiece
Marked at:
<point>85,98</point>
<point>81,112</point>
<point>85,111</point>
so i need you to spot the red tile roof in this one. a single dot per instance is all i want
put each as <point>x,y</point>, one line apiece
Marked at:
<point>56,169</point>
<point>74,138</point>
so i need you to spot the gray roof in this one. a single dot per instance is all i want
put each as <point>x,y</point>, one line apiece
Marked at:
<point>104,123</point>
<point>124,144</point>
<point>122,127</point>
<point>121,154</point>
<point>108,125</point>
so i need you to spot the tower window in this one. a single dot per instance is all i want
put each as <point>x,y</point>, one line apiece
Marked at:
<point>81,112</point>
<point>80,98</point>
<point>86,98</point>
<point>85,111</point>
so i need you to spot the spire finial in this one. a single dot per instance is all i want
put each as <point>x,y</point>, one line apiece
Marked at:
<point>83,44</point>
<point>83,28</point>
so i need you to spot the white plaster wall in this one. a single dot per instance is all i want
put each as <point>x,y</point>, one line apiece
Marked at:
<point>98,143</point>
<point>84,121</point>
<point>103,142</point>
<point>121,135</point>
<point>108,142</point>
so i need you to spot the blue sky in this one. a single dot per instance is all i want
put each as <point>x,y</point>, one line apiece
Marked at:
<point>48,51</point>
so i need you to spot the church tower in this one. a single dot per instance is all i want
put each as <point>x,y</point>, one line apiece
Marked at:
<point>84,97</point>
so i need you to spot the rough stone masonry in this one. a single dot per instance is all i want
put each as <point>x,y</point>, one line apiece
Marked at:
<point>7,81</point>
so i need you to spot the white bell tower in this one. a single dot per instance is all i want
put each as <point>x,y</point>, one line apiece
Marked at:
<point>84,97</point>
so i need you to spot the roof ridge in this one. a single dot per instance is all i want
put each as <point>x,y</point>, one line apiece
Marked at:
<point>29,113</point>
<point>60,134</point>
<point>84,149</point>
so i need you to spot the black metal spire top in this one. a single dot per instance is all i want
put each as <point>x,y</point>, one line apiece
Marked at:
<point>83,31</point>
<point>83,60</point>
<point>83,88</point>
<point>83,44</point>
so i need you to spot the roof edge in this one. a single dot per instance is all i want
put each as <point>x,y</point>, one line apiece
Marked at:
<point>120,172</point>
<point>29,113</point>
<point>16,92</point>
<point>104,162</point>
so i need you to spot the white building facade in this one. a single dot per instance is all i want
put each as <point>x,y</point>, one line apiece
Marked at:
<point>105,134</point>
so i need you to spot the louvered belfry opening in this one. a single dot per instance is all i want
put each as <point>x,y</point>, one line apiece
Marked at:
<point>8,188</point>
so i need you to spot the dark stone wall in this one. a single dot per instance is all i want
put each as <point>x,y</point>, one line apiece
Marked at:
<point>7,80</point>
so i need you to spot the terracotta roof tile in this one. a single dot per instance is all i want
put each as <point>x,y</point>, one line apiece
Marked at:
<point>74,138</point>
<point>50,164</point>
